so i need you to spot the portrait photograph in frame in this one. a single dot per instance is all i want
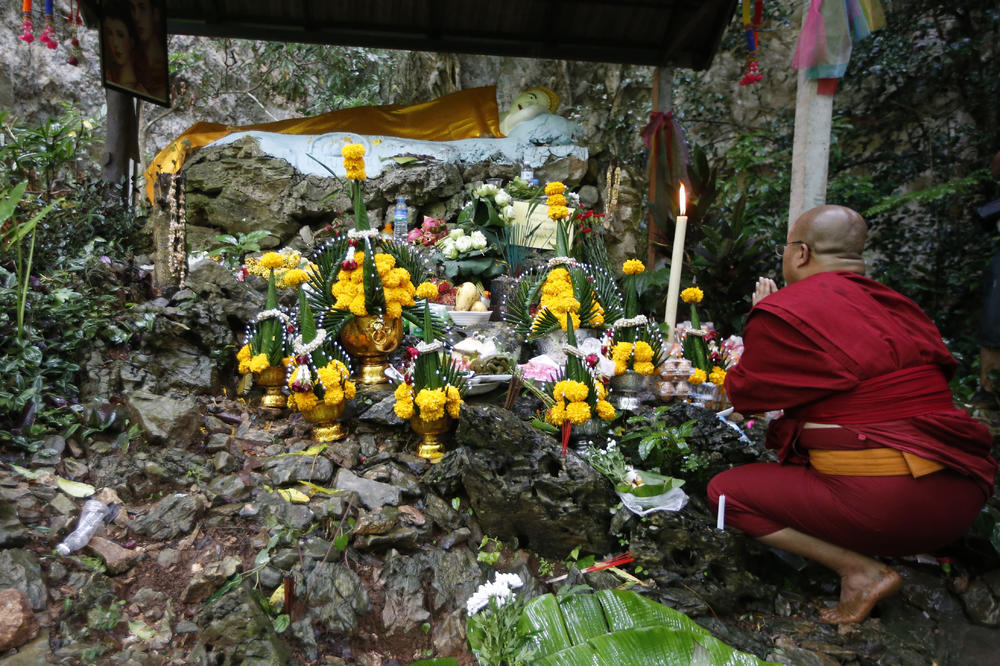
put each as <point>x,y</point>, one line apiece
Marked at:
<point>133,35</point>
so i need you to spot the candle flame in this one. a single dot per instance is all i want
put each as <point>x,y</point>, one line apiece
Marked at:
<point>683,200</point>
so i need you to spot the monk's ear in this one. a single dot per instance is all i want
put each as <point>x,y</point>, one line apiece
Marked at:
<point>802,254</point>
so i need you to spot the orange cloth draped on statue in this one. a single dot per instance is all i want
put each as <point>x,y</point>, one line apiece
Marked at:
<point>466,114</point>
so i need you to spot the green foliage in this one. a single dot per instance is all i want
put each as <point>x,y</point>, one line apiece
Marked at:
<point>232,248</point>
<point>65,318</point>
<point>660,446</point>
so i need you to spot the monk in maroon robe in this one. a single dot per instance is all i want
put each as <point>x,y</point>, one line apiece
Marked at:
<point>875,458</point>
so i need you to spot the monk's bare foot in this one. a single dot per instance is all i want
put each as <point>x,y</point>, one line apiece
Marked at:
<point>859,592</point>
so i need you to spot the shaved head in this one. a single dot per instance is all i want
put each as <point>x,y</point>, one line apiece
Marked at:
<point>827,238</point>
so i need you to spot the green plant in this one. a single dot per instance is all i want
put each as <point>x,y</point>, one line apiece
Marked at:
<point>660,446</point>
<point>233,248</point>
<point>106,619</point>
<point>492,627</point>
<point>12,238</point>
<point>489,550</point>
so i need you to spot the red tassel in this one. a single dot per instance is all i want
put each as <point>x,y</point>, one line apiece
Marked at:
<point>565,436</point>
<point>624,558</point>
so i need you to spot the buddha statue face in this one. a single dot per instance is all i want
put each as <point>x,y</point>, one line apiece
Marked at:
<point>530,98</point>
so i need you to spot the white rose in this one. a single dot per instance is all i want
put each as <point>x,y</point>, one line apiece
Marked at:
<point>456,233</point>
<point>464,244</point>
<point>507,213</point>
<point>502,198</point>
<point>478,240</point>
<point>485,191</point>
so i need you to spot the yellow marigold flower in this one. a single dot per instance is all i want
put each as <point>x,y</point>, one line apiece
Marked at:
<point>259,363</point>
<point>644,367</point>
<point>356,174</point>
<point>403,409</point>
<point>556,415</point>
<point>334,397</point>
<point>427,290</point>
<point>358,306</point>
<point>597,319</point>
<point>621,351</point>
<point>621,368</point>
<point>454,408</point>
<point>403,392</point>
<point>717,376</point>
<point>244,353</point>
<point>330,377</point>
<point>383,258</point>
<point>243,367</point>
<point>350,390</point>
<point>643,352</point>
<point>600,390</point>
<point>353,151</point>
<point>633,267</point>
<point>305,401</point>
<point>294,277</point>
<point>556,200</point>
<point>578,413</point>
<point>292,258</point>
<point>576,391</point>
<point>558,212</point>
<point>555,187</point>
<point>692,295</point>
<point>431,403</point>
<point>286,361</point>
<point>697,377</point>
<point>605,410</point>
<point>272,260</point>
<point>394,310</point>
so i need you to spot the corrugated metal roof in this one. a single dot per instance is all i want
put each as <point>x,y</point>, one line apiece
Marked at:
<point>682,33</point>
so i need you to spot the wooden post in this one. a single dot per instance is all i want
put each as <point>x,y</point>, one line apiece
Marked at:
<point>121,139</point>
<point>811,145</point>
<point>663,101</point>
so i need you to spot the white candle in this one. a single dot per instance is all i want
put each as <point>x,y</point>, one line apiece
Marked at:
<point>676,259</point>
<point>720,520</point>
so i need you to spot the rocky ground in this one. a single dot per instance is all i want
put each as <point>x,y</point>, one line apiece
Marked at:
<point>221,502</point>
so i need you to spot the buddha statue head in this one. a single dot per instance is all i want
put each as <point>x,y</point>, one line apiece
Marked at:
<point>529,104</point>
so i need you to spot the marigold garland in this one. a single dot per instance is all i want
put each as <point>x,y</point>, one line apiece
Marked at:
<point>697,377</point>
<point>354,162</point>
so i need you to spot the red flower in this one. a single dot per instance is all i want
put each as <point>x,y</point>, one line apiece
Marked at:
<point>592,360</point>
<point>412,352</point>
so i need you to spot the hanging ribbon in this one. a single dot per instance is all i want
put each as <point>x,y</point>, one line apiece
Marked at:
<point>28,35</point>
<point>566,427</point>
<point>824,46</point>
<point>49,34</point>
<point>750,27</point>
<point>73,21</point>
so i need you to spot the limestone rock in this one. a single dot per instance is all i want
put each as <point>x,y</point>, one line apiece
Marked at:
<point>116,558</point>
<point>20,569</point>
<point>162,418</point>
<point>286,469</point>
<point>338,598</point>
<point>373,494</point>
<point>235,630</point>
<point>18,624</point>
<point>171,517</point>
<point>12,532</point>
<point>204,582</point>
<point>520,486</point>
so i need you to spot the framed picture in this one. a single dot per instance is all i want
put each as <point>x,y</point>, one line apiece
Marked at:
<point>134,48</point>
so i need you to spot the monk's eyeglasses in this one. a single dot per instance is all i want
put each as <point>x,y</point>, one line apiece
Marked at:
<point>779,251</point>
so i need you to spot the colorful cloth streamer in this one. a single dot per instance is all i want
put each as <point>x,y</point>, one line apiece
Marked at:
<point>750,26</point>
<point>49,34</point>
<point>28,35</point>
<point>824,46</point>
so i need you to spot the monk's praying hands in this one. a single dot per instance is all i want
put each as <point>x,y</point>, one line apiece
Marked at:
<point>764,288</point>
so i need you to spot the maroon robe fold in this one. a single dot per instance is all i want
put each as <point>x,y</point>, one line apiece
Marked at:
<point>843,349</point>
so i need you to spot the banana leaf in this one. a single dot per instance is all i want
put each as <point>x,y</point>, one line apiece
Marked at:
<point>620,628</point>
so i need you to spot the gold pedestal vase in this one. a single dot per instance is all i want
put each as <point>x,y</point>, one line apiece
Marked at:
<point>371,338</point>
<point>271,379</point>
<point>431,436</point>
<point>326,427</point>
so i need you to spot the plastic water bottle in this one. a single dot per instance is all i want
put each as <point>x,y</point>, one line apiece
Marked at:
<point>400,219</point>
<point>91,516</point>
<point>527,173</point>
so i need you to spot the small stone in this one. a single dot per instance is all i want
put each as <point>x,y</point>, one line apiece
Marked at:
<point>18,624</point>
<point>63,505</point>
<point>117,559</point>
<point>372,494</point>
<point>167,558</point>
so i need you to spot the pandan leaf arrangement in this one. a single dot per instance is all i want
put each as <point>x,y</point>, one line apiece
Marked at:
<point>435,386</point>
<point>633,342</point>
<point>319,369</point>
<point>265,342</point>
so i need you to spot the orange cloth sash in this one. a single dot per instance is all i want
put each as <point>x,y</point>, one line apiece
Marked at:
<point>871,462</point>
<point>466,114</point>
